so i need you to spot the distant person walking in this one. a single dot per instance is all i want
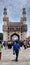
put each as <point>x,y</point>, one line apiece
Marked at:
<point>0,49</point>
<point>29,43</point>
<point>25,44</point>
<point>16,48</point>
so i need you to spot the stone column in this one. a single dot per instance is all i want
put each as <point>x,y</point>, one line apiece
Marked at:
<point>5,36</point>
<point>24,35</point>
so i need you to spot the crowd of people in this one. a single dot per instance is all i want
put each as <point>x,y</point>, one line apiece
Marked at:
<point>16,46</point>
<point>24,43</point>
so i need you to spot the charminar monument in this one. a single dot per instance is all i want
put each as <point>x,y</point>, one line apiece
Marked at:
<point>14,30</point>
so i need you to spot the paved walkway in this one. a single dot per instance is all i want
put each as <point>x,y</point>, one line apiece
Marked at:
<point>7,57</point>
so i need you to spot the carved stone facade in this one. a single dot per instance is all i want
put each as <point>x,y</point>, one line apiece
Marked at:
<point>14,28</point>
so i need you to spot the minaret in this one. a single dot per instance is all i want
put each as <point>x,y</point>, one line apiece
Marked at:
<point>21,20</point>
<point>23,25</point>
<point>5,18</point>
<point>24,15</point>
<point>5,25</point>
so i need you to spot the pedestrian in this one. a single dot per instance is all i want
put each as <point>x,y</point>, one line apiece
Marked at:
<point>25,44</point>
<point>0,49</point>
<point>29,43</point>
<point>16,48</point>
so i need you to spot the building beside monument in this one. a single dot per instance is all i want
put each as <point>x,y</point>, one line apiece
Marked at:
<point>13,30</point>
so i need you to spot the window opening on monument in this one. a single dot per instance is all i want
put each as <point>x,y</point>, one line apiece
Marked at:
<point>12,28</point>
<point>8,28</point>
<point>8,37</point>
<point>8,34</point>
<point>21,33</point>
<point>16,28</point>
<point>8,31</point>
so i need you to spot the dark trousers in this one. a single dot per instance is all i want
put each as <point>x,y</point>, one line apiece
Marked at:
<point>17,53</point>
<point>0,55</point>
<point>24,46</point>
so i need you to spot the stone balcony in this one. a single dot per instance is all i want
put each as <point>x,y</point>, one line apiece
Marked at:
<point>21,28</point>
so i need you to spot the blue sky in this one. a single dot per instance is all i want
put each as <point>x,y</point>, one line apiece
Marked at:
<point>14,9</point>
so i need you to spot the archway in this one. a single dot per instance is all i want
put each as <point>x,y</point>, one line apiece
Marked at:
<point>14,37</point>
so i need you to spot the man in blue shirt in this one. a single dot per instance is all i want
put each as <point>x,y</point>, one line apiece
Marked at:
<point>16,48</point>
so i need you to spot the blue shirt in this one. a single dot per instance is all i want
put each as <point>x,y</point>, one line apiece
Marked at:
<point>16,46</point>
